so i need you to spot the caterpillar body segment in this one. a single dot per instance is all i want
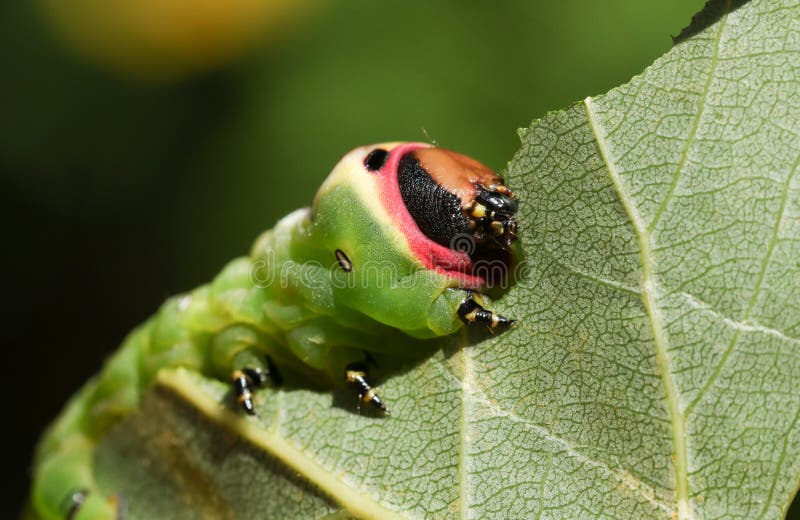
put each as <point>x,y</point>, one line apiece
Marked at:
<point>391,250</point>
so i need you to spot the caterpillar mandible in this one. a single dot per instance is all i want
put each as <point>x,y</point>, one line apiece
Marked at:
<point>399,242</point>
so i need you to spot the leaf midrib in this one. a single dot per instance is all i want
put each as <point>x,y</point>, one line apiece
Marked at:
<point>649,300</point>
<point>649,293</point>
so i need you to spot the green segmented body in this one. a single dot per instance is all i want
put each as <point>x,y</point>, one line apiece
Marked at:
<point>289,300</point>
<point>274,302</point>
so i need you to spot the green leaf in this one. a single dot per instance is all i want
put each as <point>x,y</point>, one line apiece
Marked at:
<point>656,365</point>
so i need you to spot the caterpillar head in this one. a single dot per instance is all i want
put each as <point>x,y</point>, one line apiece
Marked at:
<point>436,208</point>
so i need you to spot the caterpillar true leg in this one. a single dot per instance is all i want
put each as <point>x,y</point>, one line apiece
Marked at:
<point>243,381</point>
<point>358,380</point>
<point>246,379</point>
<point>239,352</point>
<point>471,312</point>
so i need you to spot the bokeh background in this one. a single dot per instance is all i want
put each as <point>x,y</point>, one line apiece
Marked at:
<point>143,143</point>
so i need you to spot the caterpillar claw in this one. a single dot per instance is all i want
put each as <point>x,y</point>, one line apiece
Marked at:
<point>471,312</point>
<point>248,378</point>
<point>357,379</point>
<point>242,389</point>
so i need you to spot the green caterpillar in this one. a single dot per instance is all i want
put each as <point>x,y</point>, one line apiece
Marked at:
<point>399,241</point>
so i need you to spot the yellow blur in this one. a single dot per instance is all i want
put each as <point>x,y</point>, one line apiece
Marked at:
<point>165,39</point>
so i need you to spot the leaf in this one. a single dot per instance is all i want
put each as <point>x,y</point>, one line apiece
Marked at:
<point>655,367</point>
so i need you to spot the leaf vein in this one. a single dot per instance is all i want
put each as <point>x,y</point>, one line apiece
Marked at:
<point>691,138</point>
<point>599,280</point>
<point>463,445</point>
<point>634,483</point>
<point>743,326</point>
<point>649,300</point>
<point>756,290</point>
<point>779,464</point>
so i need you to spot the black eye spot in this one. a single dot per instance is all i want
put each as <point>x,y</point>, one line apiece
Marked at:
<point>344,262</point>
<point>376,159</point>
<point>436,211</point>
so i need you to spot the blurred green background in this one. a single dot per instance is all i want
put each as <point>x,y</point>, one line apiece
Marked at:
<point>120,188</point>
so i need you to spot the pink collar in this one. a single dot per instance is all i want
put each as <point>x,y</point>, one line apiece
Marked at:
<point>449,262</point>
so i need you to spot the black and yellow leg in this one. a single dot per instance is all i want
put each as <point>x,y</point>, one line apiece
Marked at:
<point>247,379</point>
<point>358,381</point>
<point>472,312</point>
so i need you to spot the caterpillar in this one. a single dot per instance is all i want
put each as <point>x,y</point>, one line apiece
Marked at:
<point>400,242</point>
